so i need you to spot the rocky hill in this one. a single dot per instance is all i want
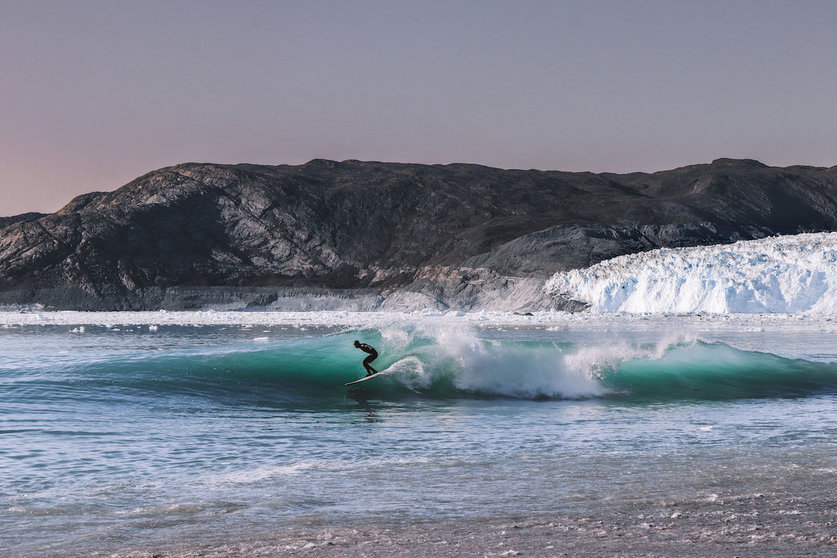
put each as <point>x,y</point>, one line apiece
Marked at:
<point>364,234</point>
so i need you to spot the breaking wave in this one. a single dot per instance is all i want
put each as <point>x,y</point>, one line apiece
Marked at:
<point>443,363</point>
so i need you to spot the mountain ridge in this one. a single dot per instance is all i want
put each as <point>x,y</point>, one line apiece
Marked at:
<point>447,234</point>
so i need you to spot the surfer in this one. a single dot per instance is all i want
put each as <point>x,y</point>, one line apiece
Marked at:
<point>373,354</point>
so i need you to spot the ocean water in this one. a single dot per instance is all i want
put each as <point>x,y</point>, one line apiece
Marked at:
<point>128,434</point>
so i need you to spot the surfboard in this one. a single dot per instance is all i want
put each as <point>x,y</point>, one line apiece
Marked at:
<point>406,365</point>
<point>361,380</point>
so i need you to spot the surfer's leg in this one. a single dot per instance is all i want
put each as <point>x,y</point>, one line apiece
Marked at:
<point>368,367</point>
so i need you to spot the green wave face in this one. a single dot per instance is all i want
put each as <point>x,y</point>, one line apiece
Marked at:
<point>452,363</point>
<point>718,371</point>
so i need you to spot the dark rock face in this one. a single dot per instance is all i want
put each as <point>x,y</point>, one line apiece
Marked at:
<point>443,231</point>
<point>23,217</point>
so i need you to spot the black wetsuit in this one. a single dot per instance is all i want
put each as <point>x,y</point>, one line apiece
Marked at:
<point>373,354</point>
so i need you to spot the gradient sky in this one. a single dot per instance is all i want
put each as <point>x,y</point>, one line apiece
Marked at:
<point>94,94</point>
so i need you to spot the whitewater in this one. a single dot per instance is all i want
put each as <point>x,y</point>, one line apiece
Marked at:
<point>690,411</point>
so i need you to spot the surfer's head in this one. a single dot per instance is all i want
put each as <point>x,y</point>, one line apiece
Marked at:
<point>357,343</point>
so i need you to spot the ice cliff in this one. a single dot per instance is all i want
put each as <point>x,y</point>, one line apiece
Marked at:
<point>788,274</point>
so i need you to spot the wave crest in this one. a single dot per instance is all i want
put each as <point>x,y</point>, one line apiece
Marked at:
<point>453,362</point>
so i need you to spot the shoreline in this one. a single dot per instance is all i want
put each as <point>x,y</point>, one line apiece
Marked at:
<point>754,525</point>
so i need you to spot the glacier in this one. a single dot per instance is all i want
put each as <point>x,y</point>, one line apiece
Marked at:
<point>793,274</point>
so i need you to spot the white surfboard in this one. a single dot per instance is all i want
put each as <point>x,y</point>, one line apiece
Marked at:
<point>403,369</point>
<point>366,378</point>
